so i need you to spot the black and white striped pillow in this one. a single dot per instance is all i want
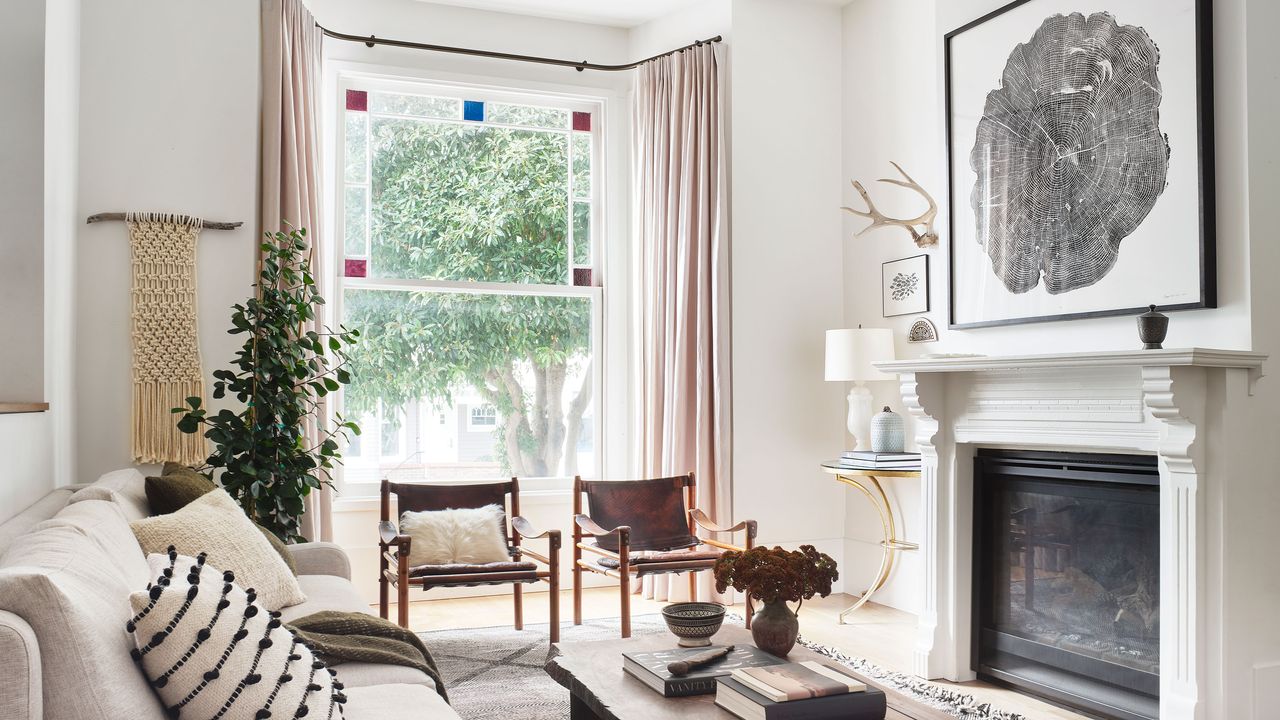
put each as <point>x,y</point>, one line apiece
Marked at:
<point>212,652</point>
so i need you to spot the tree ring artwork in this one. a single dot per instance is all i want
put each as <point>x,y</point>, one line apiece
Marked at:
<point>1073,152</point>
<point>1080,153</point>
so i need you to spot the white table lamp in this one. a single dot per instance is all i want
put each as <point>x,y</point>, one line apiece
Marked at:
<point>849,357</point>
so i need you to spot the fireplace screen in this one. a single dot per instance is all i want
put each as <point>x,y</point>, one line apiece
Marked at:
<point>1068,584</point>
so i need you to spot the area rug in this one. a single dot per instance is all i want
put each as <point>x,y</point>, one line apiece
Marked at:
<point>497,672</point>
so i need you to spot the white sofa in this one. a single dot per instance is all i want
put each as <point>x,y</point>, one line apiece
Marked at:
<point>67,566</point>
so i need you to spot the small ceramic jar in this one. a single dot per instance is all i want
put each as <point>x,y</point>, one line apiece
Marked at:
<point>1152,327</point>
<point>888,433</point>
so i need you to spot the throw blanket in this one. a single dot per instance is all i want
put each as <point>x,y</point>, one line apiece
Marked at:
<point>166,352</point>
<point>358,637</point>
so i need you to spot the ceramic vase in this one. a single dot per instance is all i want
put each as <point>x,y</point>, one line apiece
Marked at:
<point>888,432</point>
<point>775,628</point>
<point>1152,327</point>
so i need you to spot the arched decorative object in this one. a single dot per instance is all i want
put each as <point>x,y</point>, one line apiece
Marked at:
<point>922,331</point>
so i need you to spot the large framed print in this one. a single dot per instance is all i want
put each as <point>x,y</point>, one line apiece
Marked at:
<point>1080,159</point>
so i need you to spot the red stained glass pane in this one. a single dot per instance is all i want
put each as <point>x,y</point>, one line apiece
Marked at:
<point>582,277</point>
<point>582,121</point>
<point>353,267</point>
<point>358,100</point>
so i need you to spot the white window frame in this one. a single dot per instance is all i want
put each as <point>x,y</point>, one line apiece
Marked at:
<point>473,426</point>
<point>342,76</point>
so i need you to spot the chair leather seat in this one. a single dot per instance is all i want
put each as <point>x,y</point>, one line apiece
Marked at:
<point>654,562</point>
<point>465,569</point>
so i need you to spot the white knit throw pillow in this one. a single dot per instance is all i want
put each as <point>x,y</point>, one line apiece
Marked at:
<point>473,536</point>
<point>213,652</point>
<point>215,524</point>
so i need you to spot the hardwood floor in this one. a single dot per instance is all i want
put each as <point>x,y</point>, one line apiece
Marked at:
<point>880,634</point>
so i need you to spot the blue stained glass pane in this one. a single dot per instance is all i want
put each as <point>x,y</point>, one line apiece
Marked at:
<point>473,110</point>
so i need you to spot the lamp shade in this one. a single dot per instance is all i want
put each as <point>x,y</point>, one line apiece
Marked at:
<point>850,353</point>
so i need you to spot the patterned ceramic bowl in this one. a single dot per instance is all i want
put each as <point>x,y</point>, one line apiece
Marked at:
<point>693,622</point>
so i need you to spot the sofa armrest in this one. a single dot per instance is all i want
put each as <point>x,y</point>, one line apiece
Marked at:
<point>321,558</point>
<point>20,682</point>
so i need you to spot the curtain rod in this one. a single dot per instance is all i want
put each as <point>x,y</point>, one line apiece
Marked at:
<point>371,40</point>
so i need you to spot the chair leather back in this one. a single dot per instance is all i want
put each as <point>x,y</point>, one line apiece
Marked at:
<point>654,509</point>
<point>419,497</point>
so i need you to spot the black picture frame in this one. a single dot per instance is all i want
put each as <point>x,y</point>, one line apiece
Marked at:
<point>1205,158</point>
<point>883,310</point>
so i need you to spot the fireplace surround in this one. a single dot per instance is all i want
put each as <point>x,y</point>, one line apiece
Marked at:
<point>1171,404</point>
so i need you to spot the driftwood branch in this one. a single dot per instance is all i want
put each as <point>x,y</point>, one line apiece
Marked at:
<point>119,217</point>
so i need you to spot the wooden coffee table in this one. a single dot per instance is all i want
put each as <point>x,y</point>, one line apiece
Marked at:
<point>599,689</point>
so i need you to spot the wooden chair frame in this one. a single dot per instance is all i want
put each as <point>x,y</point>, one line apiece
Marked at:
<point>393,561</point>
<point>584,526</point>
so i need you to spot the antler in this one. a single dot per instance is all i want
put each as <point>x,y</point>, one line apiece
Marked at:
<point>923,238</point>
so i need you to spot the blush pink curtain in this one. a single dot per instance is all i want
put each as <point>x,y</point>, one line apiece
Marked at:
<point>681,205</point>
<point>290,164</point>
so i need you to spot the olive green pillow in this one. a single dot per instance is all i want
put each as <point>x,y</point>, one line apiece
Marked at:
<point>178,485</point>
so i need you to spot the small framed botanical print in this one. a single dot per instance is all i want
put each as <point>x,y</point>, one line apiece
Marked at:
<point>905,286</point>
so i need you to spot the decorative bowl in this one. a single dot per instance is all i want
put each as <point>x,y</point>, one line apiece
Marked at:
<point>693,622</point>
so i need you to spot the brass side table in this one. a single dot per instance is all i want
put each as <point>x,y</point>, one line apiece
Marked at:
<point>868,481</point>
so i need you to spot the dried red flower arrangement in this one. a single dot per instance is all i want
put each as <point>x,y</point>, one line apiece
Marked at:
<point>772,574</point>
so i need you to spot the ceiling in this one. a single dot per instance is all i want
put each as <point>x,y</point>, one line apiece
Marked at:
<point>620,13</point>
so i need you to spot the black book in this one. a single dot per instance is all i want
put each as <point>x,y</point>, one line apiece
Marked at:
<point>743,702</point>
<point>651,668</point>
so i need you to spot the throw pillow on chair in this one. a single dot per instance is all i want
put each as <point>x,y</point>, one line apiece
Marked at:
<point>467,536</point>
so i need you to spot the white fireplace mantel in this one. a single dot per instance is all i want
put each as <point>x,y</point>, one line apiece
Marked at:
<point>1174,404</point>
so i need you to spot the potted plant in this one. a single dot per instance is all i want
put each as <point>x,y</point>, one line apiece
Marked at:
<point>775,577</point>
<point>281,374</point>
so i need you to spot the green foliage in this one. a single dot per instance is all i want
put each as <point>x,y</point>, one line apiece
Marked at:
<point>280,375</point>
<point>465,203</point>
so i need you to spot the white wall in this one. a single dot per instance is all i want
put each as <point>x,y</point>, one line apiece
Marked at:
<point>38,176</point>
<point>891,113</point>
<point>169,108</point>
<point>786,278</point>
<point>1252,580</point>
<point>22,42</point>
<point>701,21</point>
<point>61,164</point>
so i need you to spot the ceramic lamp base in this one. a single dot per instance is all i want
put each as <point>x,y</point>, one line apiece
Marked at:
<point>859,420</point>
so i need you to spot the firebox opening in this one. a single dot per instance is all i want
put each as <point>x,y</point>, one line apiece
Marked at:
<point>1067,578</point>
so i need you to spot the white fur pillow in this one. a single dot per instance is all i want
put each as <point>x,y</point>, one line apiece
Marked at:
<point>472,536</point>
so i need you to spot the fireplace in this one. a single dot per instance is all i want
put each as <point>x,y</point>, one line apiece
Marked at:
<point>1066,578</point>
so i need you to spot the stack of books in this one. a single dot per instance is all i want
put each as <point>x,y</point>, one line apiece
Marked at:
<point>868,460</point>
<point>807,690</point>
<point>650,668</point>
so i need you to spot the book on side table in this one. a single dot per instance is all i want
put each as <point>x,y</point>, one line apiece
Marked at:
<point>809,690</point>
<point>651,668</point>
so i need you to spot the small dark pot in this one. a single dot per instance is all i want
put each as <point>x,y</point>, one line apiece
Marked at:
<point>775,628</point>
<point>1152,327</point>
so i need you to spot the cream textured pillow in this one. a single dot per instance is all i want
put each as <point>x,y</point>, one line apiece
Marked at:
<point>215,524</point>
<point>472,536</point>
<point>211,650</point>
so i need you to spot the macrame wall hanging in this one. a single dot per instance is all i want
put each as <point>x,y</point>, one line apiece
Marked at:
<point>166,350</point>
